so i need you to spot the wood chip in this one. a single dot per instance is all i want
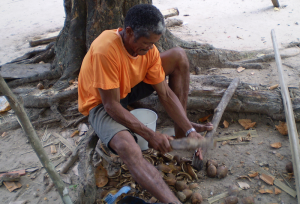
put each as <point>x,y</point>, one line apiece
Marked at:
<point>266,178</point>
<point>282,128</point>
<point>253,175</point>
<point>273,87</point>
<point>247,123</point>
<point>226,124</point>
<point>53,149</point>
<point>276,145</point>
<point>243,185</point>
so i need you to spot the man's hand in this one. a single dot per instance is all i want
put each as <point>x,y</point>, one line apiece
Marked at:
<point>199,151</point>
<point>160,142</point>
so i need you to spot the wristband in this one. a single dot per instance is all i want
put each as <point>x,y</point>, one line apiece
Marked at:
<point>189,131</point>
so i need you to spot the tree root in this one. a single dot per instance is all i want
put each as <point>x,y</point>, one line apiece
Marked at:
<point>38,77</point>
<point>48,101</point>
<point>37,56</point>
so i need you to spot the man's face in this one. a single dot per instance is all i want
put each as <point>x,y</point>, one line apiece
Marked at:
<point>142,45</point>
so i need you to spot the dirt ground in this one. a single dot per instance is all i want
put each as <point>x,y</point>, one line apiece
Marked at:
<point>241,17</point>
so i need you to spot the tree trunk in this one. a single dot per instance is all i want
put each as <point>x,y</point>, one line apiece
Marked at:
<point>85,20</point>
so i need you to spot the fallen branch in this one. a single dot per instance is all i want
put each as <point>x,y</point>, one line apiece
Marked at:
<point>218,112</point>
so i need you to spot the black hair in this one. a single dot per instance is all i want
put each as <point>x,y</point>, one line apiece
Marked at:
<point>145,19</point>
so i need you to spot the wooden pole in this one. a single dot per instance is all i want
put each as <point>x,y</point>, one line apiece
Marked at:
<point>218,112</point>
<point>290,118</point>
<point>34,141</point>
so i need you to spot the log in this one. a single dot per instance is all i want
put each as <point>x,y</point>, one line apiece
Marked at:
<point>170,12</point>
<point>206,93</point>
<point>18,71</point>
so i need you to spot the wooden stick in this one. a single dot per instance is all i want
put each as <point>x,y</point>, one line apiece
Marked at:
<point>290,118</point>
<point>35,141</point>
<point>222,106</point>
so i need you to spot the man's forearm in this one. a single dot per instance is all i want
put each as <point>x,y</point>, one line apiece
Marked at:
<point>124,117</point>
<point>175,110</point>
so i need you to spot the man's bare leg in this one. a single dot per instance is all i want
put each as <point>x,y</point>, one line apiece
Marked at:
<point>176,66</point>
<point>141,170</point>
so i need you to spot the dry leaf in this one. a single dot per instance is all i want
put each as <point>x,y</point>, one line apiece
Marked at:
<point>266,191</point>
<point>277,191</point>
<point>76,132</point>
<point>243,185</point>
<point>4,134</point>
<point>201,120</point>
<point>282,128</point>
<point>276,145</point>
<point>268,179</point>
<point>4,105</point>
<point>240,69</point>
<point>226,124</point>
<point>53,149</point>
<point>253,175</point>
<point>273,87</point>
<point>101,176</point>
<point>247,123</point>
<point>11,186</point>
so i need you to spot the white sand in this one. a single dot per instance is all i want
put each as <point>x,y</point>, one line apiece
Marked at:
<point>212,21</point>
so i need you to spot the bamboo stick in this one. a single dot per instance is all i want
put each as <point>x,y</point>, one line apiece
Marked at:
<point>290,118</point>
<point>34,141</point>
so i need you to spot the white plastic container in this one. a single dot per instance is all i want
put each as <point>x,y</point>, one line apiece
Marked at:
<point>148,118</point>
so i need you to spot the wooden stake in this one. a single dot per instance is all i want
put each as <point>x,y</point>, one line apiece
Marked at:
<point>290,118</point>
<point>34,141</point>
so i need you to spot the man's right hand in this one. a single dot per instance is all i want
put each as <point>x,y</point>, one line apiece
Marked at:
<point>160,142</point>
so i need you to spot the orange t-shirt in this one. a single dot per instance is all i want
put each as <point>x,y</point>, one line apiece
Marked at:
<point>108,65</point>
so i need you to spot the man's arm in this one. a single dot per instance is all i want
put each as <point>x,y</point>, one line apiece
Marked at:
<point>172,105</point>
<point>111,103</point>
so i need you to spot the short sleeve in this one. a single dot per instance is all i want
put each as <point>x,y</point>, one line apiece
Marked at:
<point>155,72</point>
<point>106,72</point>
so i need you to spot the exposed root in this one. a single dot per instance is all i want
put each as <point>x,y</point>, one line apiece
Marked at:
<point>37,56</point>
<point>49,75</point>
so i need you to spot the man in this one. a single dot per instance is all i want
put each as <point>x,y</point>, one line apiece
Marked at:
<point>123,66</point>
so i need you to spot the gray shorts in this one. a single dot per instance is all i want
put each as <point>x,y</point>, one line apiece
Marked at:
<point>105,126</point>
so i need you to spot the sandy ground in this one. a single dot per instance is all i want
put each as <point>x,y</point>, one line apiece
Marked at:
<point>215,22</point>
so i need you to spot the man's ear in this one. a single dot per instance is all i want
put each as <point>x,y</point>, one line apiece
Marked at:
<point>129,31</point>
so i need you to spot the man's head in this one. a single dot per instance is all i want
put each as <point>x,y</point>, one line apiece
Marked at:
<point>144,24</point>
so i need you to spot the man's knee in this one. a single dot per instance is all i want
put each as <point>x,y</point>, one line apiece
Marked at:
<point>126,147</point>
<point>182,61</point>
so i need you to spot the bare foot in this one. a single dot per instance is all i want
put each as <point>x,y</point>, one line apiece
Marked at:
<point>202,127</point>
